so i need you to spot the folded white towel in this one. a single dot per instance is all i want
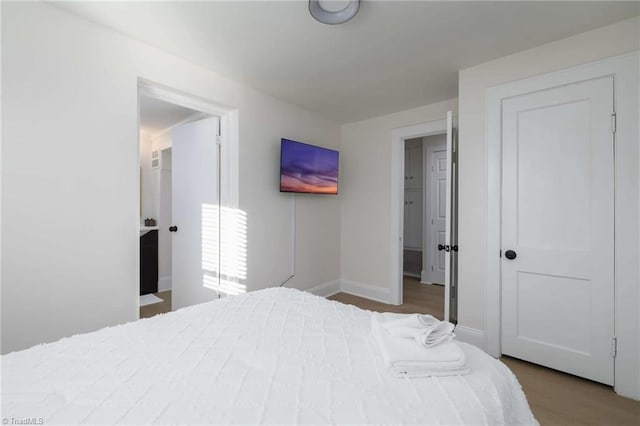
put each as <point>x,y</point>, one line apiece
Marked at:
<point>391,320</point>
<point>425,329</point>
<point>440,333</point>
<point>406,358</point>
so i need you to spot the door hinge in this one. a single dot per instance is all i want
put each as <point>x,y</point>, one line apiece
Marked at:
<point>614,347</point>
<point>614,122</point>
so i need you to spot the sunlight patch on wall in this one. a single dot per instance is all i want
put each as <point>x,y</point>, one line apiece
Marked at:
<point>224,249</point>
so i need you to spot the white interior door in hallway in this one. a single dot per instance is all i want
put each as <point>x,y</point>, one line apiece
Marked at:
<point>558,228</point>
<point>435,206</point>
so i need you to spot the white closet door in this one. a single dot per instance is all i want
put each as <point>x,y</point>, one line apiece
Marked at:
<point>195,213</point>
<point>557,228</point>
<point>406,222</point>
<point>413,219</point>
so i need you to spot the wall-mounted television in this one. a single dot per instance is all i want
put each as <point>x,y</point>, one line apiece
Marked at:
<point>307,168</point>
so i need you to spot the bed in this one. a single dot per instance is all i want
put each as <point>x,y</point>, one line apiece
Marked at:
<point>275,356</point>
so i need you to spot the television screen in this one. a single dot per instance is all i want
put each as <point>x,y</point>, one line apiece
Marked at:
<point>308,168</point>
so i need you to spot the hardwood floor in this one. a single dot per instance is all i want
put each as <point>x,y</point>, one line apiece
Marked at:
<point>157,308</point>
<point>562,399</point>
<point>418,298</point>
<point>555,398</point>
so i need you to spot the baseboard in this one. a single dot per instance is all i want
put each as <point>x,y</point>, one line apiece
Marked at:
<point>326,289</point>
<point>412,275</point>
<point>367,291</point>
<point>470,335</point>
<point>164,283</point>
<point>425,280</point>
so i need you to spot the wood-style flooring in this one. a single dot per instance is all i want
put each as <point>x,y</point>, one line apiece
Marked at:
<point>555,398</point>
<point>157,308</point>
<point>418,299</point>
<point>558,398</point>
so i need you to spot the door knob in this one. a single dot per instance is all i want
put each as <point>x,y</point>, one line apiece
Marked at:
<point>440,247</point>
<point>510,254</point>
<point>173,229</point>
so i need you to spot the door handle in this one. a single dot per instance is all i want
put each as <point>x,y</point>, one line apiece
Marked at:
<point>440,247</point>
<point>454,248</point>
<point>510,254</point>
<point>446,248</point>
<point>173,229</point>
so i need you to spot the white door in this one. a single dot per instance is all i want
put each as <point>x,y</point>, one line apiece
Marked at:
<point>195,212</point>
<point>557,220</point>
<point>413,164</point>
<point>413,219</point>
<point>450,243</point>
<point>437,213</point>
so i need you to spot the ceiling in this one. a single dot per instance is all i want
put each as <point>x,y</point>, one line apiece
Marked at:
<point>392,56</point>
<point>157,115</point>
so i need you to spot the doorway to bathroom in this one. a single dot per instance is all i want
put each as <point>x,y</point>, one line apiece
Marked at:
<point>188,193</point>
<point>158,120</point>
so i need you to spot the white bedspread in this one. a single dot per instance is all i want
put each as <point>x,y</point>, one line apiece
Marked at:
<point>276,356</point>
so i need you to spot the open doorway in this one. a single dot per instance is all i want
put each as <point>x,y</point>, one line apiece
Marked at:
<point>196,238</point>
<point>424,198</point>
<point>157,120</point>
<point>424,222</point>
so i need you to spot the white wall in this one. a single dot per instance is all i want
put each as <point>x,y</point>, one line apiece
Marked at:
<point>164,221</point>
<point>583,48</point>
<point>148,198</point>
<point>364,211</point>
<point>70,175</point>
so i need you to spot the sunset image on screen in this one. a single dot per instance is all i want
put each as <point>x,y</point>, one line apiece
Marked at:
<point>308,168</point>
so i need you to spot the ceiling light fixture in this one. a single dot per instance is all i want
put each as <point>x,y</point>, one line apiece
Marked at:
<point>327,15</point>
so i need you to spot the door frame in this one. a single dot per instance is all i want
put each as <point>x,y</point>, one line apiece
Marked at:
<point>398,136</point>
<point>624,69</point>
<point>229,146</point>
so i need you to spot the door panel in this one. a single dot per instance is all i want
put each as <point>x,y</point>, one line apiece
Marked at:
<point>438,212</point>
<point>557,216</point>
<point>413,164</point>
<point>413,219</point>
<point>195,212</point>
